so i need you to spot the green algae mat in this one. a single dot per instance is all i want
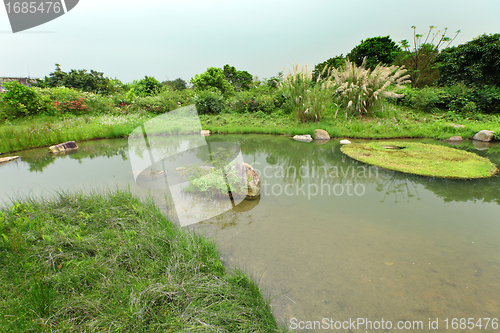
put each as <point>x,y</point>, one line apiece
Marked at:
<point>421,159</point>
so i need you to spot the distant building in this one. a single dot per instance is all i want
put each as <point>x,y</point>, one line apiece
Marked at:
<point>22,80</point>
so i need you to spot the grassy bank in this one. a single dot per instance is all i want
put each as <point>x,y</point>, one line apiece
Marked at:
<point>43,131</point>
<point>98,263</point>
<point>388,121</point>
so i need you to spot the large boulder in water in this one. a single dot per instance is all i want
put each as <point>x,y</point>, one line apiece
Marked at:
<point>249,178</point>
<point>484,135</point>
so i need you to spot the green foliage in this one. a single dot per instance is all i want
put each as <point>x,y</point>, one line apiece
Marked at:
<point>426,99</point>
<point>358,88</point>
<point>420,60</point>
<point>213,78</point>
<point>273,81</point>
<point>474,63</point>
<point>319,69</point>
<point>81,79</point>
<point>20,101</point>
<point>174,85</point>
<point>458,99</point>
<point>307,98</point>
<point>241,80</point>
<point>149,86</point>
<point>209,101</point>
<point>376,50</point>
<point>253,101</point>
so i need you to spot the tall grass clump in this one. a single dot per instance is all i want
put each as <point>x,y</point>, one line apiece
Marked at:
<point>307,97</point>
<point>358,87</point>
<point>110,263</point>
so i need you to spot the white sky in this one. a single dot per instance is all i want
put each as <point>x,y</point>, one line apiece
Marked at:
<point>169,39</point>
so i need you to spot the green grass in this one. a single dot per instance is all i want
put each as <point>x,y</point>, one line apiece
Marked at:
<point>421,159</point>
<point>99,263</point>
<point>44,131</point>
<point>387,121</point>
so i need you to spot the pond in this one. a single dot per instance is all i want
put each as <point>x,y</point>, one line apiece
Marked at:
<point>328,237</point>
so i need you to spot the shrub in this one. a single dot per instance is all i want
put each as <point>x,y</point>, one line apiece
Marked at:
<point>209,101</point>
<point>426,99</point>
<point>358,88</point>
<point>308,98</point>
<point>252,101</point>
<point>149,86</point>
<point>20,101</point>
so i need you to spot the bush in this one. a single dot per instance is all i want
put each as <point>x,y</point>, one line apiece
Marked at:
<point>164,102</point>
<point>149,86</point>
<point>457,98</point>
<point>358,88</point>
<point>209,101</point>
<point>252,101</point>
<point>426,99</point>
<point>20,101</point>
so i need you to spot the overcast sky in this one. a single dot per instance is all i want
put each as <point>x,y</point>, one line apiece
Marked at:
<point>168,39</point>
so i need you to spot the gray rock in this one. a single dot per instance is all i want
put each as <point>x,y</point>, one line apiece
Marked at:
<point>303,138</point>
<point>484,135</point>
<point>455,138</point>
<point>320,134</point>
<point>248,176</point>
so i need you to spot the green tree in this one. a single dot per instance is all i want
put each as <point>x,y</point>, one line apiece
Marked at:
<point>241,80</point>
<point>213,78</point>
<point>319,69</point>
<point>375,50</point>
<point>476,62</point>
<point>80,79</point>
<point>149,86</point>
<point>177,84</point>
<point>420,60</point>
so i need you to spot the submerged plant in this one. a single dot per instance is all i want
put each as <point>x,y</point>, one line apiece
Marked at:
<point>308,98</point>
<point>358,88</point>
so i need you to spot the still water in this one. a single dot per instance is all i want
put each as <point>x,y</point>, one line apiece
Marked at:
<point>329,237</point>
